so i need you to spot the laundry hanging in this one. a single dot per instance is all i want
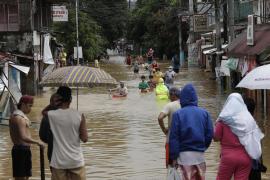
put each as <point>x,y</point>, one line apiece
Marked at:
<point>47,54</point>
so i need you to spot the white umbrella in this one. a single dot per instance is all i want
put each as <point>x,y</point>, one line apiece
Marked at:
<point>258,78</point>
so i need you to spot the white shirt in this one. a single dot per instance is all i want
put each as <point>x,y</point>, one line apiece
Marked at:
<point>67,152</point>
<point>169,109</point>
<point>123,91</point>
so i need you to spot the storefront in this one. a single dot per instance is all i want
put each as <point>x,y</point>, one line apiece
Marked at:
<point>245,58</point>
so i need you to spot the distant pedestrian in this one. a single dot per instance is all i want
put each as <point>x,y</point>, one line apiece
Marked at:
<point>71,60</point>
<point>168,111</point>
<point>96,63</point>
<point>162,92</point>
<point>143,85</point>
<point>19,126</point>
<point>136,67</point>
<point>150,55</point>
<point>157,74</point>
<point>176,63</point>
<point>169,77</point>
<point>154,65</point>
<point>240,139</point>
<point>128,60</point>
<point>151,83</point>
<point>63,57</point>
<point>191,134</point>
<point>68,127</point>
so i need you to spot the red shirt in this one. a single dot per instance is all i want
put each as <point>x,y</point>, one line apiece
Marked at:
<point>227,139</point>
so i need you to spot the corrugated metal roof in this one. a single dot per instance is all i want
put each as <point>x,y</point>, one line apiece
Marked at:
<point>239,47</point>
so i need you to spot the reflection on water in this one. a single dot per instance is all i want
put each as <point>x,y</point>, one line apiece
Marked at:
<point>125,141</point>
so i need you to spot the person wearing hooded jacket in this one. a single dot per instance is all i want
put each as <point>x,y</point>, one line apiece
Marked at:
<point>191,134</point>
<point>162,92</point>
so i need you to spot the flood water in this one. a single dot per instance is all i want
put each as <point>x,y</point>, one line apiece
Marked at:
<point>125,141</point>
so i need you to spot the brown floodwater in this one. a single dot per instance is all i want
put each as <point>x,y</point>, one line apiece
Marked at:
<point>125,141</point>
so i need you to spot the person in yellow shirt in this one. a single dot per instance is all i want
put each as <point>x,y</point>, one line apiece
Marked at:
<point>63,57</point>
<point>157,74</point>
<point>96,63</point>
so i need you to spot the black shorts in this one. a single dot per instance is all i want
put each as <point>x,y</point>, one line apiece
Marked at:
<point>21,161</point>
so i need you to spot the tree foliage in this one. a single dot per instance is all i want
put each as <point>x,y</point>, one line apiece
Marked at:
<point>101,22</point>
<point>90,36</point>
<point>111,15</point>
<point>154,23</point>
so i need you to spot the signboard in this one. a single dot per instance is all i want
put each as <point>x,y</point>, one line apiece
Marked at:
<point>200,22</point>
<point>59,13</point>
<point>193,55</point>
<point>250,30</point>
<point>80,52</point>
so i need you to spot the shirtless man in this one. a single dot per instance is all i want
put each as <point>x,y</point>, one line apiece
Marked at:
<point>20,135</point>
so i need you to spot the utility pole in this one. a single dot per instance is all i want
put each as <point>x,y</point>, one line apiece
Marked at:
<point>181,52</point>
<point>191,31</point>
<point>77,35</point>
<point>225,22</point>
<point>77,31</point>
<point>231,19</point>
<point>218,32</point>
<point>129,4</point>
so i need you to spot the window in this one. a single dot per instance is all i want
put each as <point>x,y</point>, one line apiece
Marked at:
<point>9,20</point>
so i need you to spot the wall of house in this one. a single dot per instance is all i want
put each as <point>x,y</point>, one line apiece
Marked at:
<point>17,42</point>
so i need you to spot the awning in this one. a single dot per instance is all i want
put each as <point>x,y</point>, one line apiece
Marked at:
<point>210,51</point>
<point>213,50</point>
<point>23,69</point>
<point>239,47</point>
<point>205,46</point>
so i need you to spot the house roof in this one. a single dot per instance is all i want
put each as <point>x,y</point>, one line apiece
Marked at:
<point>239,47</point>
<point>4,57</point>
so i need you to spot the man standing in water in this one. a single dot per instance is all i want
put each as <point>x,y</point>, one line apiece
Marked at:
<point>168,111</point>
<point>191,134</point>
<point>19,125</point>
<point>68,127</point>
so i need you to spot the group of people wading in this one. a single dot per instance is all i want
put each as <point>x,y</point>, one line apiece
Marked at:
<point>190,132</point>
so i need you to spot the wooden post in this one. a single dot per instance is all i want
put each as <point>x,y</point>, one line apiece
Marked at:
<point>42,166</point>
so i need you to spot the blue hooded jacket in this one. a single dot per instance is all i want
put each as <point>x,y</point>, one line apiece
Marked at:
<point>192,127</point>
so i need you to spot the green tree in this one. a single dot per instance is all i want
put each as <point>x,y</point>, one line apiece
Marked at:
<point>90,35</point>
<point>111,15</point>
<point>153,23</point>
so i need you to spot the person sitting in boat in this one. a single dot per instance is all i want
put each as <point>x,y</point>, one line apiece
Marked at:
<point>162,92</point>
<point>120,91</point>
<point>143,86</point>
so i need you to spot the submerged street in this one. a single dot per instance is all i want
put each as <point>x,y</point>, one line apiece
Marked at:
<point>125,140</point>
